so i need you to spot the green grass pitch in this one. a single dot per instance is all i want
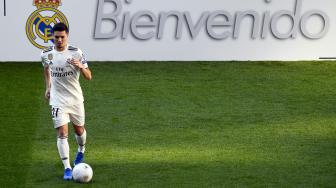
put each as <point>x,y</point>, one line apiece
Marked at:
<point>179,124</point>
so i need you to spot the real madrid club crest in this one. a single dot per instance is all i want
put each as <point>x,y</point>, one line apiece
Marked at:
<point>40,22</point>
<point>50,57</point>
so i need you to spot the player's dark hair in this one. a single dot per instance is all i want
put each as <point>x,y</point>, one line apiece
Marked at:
<point>60,27</point>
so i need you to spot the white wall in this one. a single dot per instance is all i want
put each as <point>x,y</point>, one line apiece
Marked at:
<point>81,15</point>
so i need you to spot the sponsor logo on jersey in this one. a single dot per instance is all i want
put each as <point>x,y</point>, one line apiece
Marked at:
<point>40,22</point>
<point>60,72</point>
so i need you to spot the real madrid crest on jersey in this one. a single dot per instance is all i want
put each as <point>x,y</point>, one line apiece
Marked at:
<point>50,57</point>
<point>40,22</point>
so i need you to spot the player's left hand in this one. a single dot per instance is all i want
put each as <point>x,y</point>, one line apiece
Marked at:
<point>76,63</point>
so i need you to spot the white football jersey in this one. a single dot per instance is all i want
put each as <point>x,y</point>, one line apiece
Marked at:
<point>64,77</point>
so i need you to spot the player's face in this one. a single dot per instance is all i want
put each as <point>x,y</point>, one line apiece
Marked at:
<point>60,39</point>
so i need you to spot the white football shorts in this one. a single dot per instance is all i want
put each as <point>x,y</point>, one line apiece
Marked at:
<point>65,114</point>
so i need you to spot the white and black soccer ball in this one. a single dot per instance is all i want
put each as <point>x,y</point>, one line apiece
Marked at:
<point>82,173</point>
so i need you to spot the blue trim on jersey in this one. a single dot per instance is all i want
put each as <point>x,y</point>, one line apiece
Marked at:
<point>84,61</point>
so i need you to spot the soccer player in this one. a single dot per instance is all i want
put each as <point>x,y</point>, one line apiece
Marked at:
<point>63,65</point>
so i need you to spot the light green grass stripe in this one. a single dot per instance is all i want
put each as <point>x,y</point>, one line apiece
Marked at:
<point>20,87</point>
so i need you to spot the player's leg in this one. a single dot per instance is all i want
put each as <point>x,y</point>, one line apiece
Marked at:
<point>61,119</point>
<point>80,134</point>
<point>64,150</point>
<point>77,117</point>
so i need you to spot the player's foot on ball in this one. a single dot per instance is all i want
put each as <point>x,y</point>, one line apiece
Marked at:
<point>67,174</point>
<point>79,158</point>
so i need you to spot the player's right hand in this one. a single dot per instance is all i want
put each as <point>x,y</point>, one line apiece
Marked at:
<point>47,94</point>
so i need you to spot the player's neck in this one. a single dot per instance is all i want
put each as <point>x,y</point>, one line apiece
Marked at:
<point>61,48</point>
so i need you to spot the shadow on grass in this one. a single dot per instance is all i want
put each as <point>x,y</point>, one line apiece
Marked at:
<point>189,174</point>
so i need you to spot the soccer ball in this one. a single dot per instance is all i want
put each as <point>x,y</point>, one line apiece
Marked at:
<point>82,173</point>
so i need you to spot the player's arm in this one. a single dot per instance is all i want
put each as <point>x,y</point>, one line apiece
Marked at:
<point>46,72</point>
<point>86,72</point>
<point>47,82</point>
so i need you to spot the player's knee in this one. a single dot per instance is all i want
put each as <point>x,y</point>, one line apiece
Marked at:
<point>62,135</point>
<point>79,130</point>
<point>62,132</point>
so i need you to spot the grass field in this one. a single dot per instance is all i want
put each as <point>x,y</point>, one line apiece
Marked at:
<point>173,124</point>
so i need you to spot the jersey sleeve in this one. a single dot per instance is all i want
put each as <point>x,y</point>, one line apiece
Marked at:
<point>83,59</point>
<point>44,59</point>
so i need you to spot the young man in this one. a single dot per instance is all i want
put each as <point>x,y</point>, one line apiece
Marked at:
<point>63,65</point>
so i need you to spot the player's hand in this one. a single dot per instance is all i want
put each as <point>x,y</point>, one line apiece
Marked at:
<point>47,94</point>
<point>76,63</point>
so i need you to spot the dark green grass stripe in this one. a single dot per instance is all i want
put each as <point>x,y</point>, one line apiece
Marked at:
<point>20,89</point>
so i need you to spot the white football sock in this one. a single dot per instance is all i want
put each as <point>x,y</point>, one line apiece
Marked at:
<point>63,150</point>
<point>81,140</point>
